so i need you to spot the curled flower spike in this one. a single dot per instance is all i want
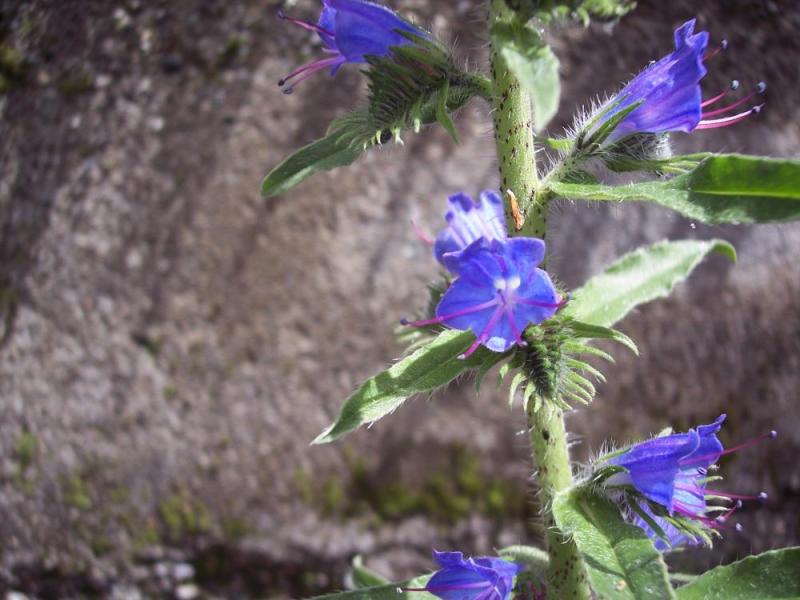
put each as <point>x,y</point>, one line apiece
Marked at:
<point>468,221</point>
<point>498,293</point>
<point>668,92</point>
<point>480,578</point>
<point>351,30</point>
<point>672,471</point>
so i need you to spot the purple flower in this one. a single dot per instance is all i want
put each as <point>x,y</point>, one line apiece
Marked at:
<point>468,221</point>
<point>499,291</point>
<point>481,578</point>
<point>672,470</point>
<point>352,30</point>
<point>669,92</point>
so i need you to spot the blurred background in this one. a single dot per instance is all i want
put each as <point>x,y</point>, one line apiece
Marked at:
<point>171,342</point>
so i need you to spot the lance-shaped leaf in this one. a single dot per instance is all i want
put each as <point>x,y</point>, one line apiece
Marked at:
<point>431,366</point>
<point>638,277</point>
<point>621,560</point>
<point>767,576</point>
<point>364,577</point>
<point>725,188</point>
<point>392,591</point>
<point>533,63</point>
<point>334,150</point>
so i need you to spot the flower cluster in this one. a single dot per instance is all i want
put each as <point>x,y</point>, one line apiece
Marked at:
<point>351,30</point>
<point>480,578</point>
<point>672,471</point>
<point>499,289</point>
<point>667,93</point>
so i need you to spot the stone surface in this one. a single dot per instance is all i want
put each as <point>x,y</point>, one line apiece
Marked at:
<point>171,342</point>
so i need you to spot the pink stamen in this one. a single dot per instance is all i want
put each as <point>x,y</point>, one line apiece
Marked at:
<point>558,304</point>
<point>697,491</point>
<point>514,329</point>
<point>484,335</point>
<point>722,519</point>
<point>453,315</point>
<point>421,234</point>
<point>308,70</point>
<point>701,459</point>
<point>760,89</point>
<point>304,24</point>
<point>733,86</point>
<point>444,588</point>
<point>723,45</point>
<point>715,123</point>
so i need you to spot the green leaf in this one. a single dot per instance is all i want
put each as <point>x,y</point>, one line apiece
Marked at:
<point>622,561</point>
<point>725,188</point>
<point>433,365</point>
<point>392,591</point>
<point>768,576</point>
<point>322,155</point>
<point>364,577</point>
<point>441,112</point>
<point>534,64</point>
<point>641,276</point>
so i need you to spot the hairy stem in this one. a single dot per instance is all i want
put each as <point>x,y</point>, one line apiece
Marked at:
<point>567,576</point>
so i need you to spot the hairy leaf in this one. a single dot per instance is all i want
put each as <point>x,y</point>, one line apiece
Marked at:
<point>768,576</point>
<point>536,559</point>
<point>724,188</point>
<point>433,365</point>
<point>621,560</point>
<point>534,64</point>
<point>641,276</point>
<point>322,155</point>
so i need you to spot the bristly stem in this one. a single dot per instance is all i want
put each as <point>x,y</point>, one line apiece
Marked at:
<point>567,577</point>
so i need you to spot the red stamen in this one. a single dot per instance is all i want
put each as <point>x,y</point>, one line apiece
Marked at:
<point>304,24</point>
<point>715,123</point>
<point>733,86</point>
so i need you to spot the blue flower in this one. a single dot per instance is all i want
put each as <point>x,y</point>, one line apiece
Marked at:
<point>499,291</point>
<point>352,30</point>
<point>481,578</point>
<point>669,92</point>
<point>672,471</point>
<point>468,221</point>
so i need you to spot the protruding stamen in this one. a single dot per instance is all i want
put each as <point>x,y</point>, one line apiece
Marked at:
<point>304,24</point>
<point>715,123</point>
<point>484,335</point>
<point>763,496</point>
<point>732,87</point>
<point>307,70</point>
<point>759,90</point>
<point>701,459</point>
<point>447,317</point>
<point>723,45</point>
<point>421,234</point>
<point>558,304</point>
<point>739,527</point>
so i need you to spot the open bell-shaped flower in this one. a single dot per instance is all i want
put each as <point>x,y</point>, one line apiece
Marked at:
<point>499,291</point>
<point>351,30</point>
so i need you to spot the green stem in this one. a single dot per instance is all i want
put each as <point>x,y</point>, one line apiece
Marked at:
<point>567,576</point>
